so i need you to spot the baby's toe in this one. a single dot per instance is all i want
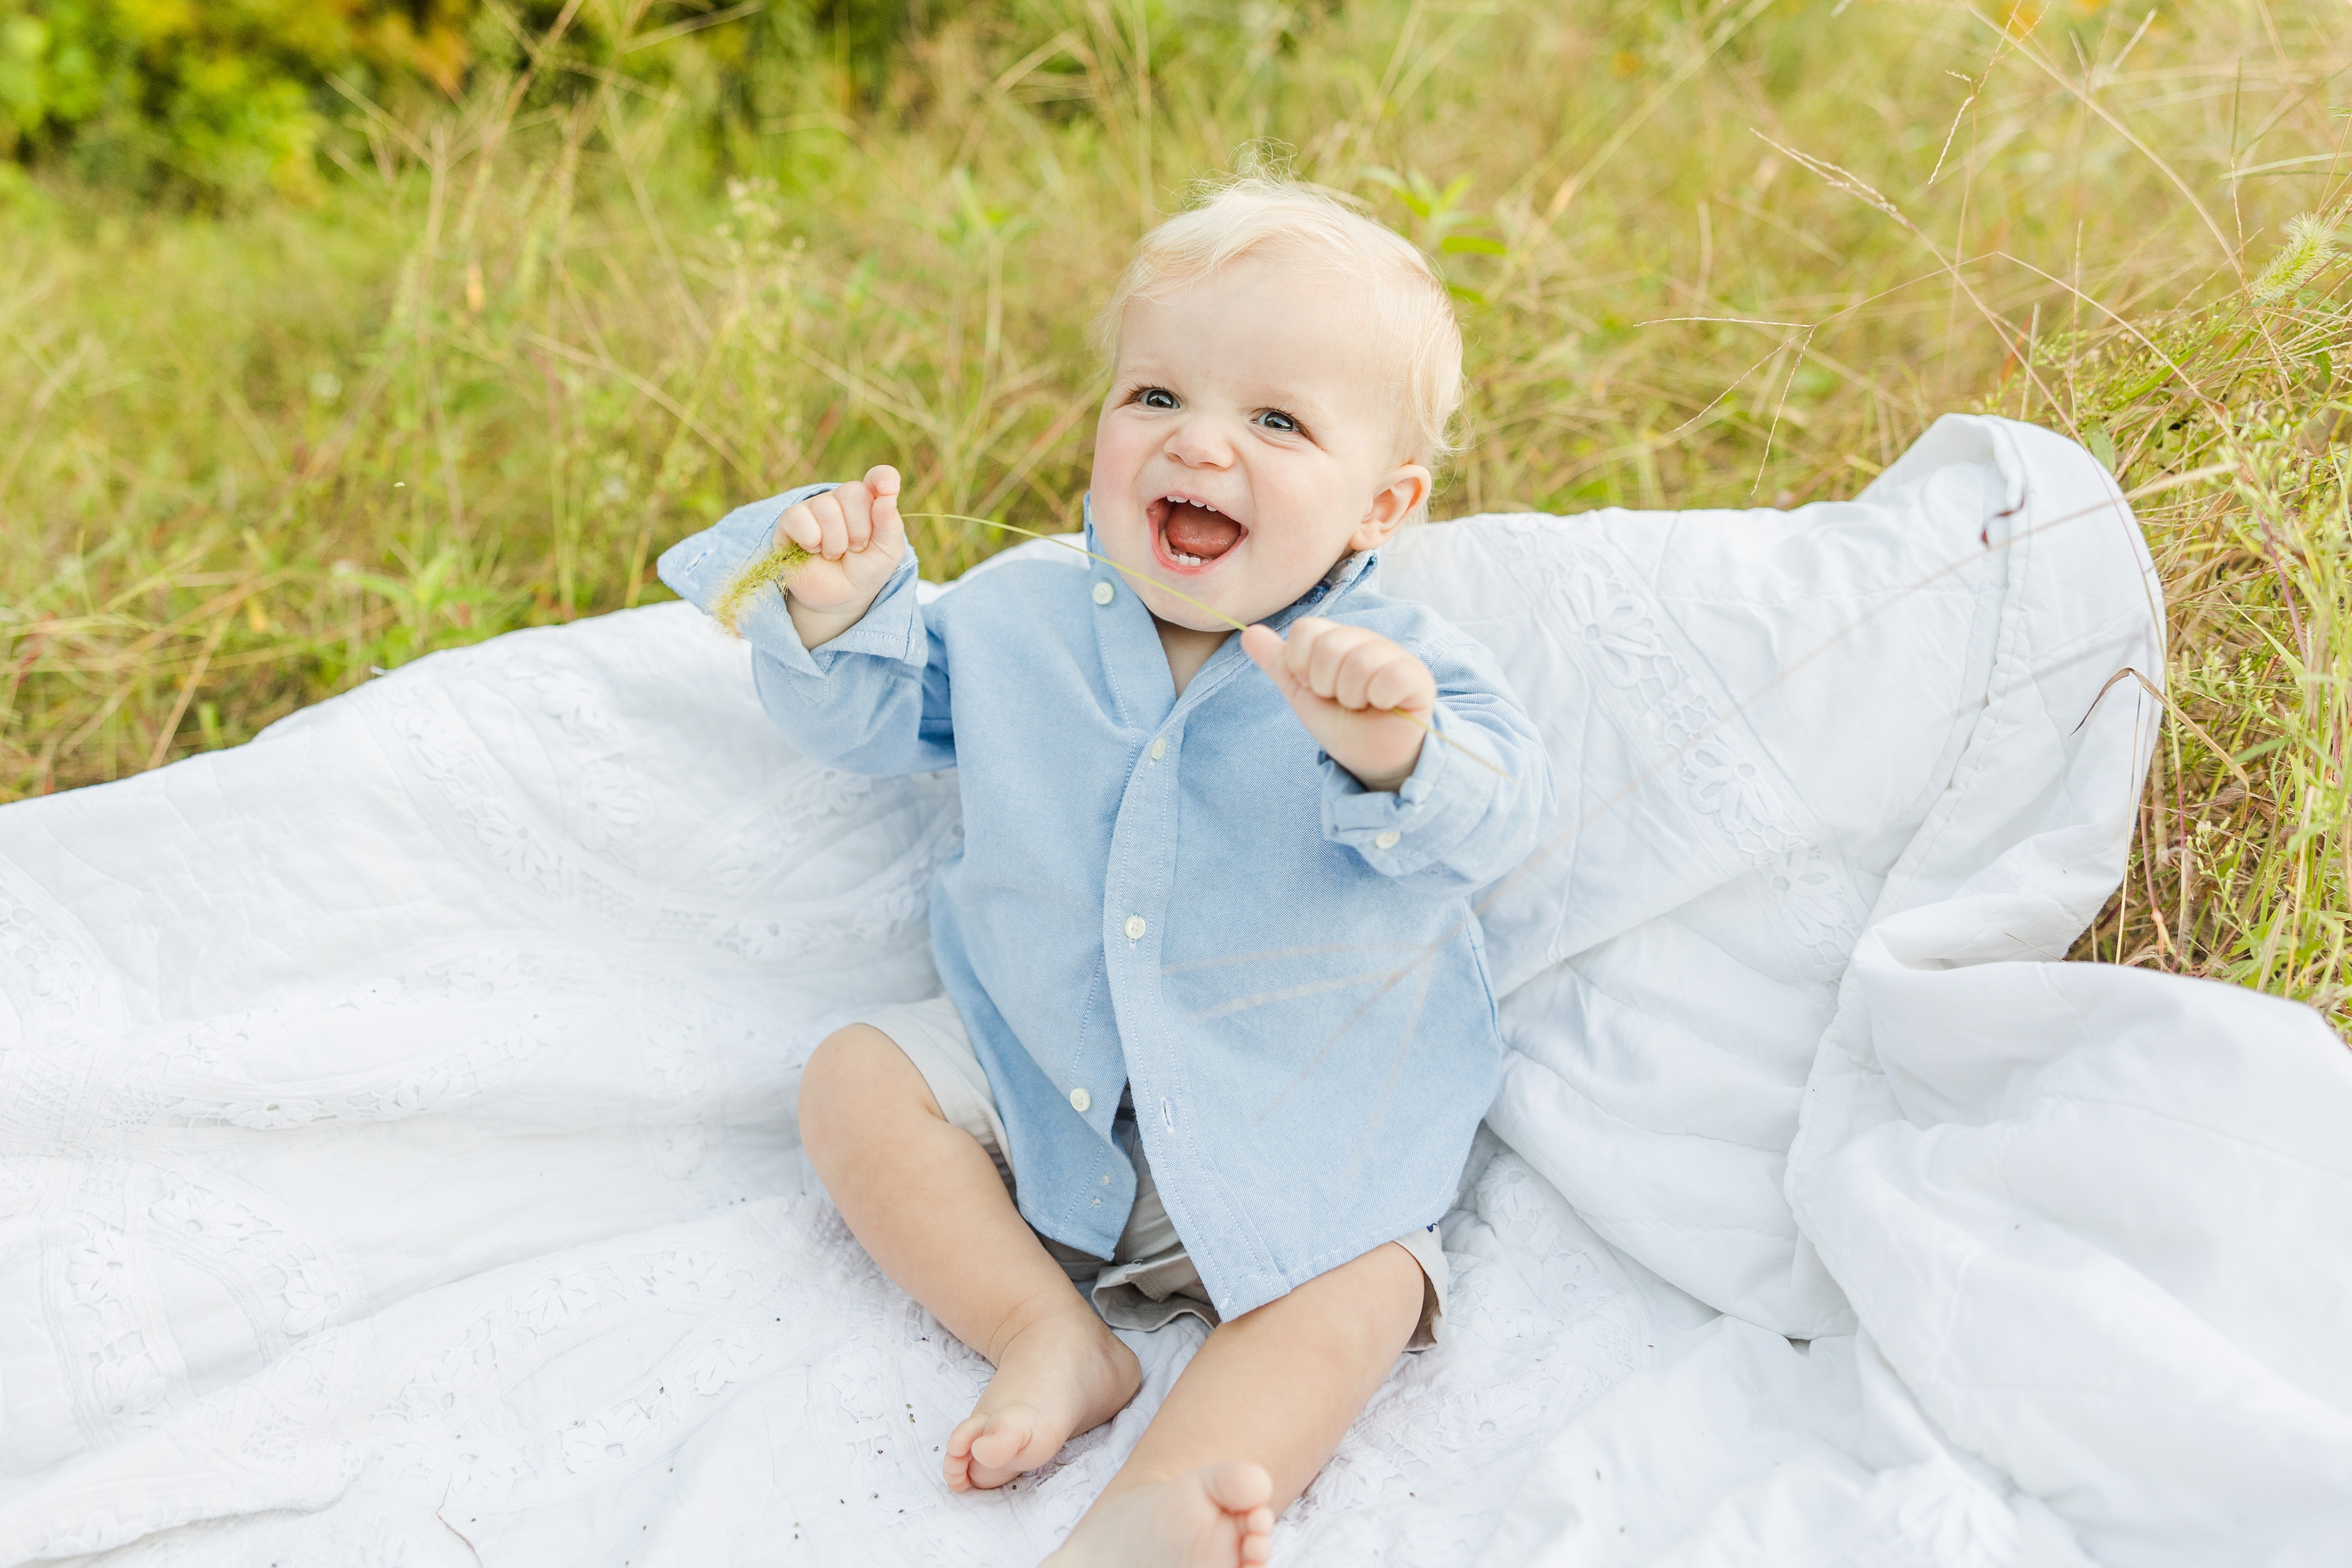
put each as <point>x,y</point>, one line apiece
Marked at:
<point>1258,1538</point>
<point>957,1464</point>
<point>1241,1487</point>
<point>998,1452</point>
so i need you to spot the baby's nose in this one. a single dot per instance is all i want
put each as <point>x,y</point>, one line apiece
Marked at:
<point>1198,443</point>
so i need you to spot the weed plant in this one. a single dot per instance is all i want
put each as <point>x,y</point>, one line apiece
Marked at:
<point>1708,254</point>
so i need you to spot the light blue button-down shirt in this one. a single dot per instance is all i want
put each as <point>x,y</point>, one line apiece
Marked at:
<point>1180,896</point>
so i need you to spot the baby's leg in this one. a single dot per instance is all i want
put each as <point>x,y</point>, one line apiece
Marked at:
<point>927,1202</point>
<point>1253,1417</point>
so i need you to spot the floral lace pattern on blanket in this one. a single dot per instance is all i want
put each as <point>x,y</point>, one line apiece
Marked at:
<point>1651,676</point>
<point>559,1135</point>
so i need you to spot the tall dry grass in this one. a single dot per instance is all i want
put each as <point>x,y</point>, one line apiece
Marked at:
<point>1707,252</point>
<point>2234,413</point>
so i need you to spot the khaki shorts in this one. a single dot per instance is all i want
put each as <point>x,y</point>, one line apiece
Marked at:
<point>1149,1281</point>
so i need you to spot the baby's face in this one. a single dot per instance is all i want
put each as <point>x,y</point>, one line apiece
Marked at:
<point>1249,441</point>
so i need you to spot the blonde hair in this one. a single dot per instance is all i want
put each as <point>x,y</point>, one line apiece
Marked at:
<point>1251,214</point>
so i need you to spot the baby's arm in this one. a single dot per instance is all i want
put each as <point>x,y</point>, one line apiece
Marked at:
<point>845,659</point>
<point>1443,812</point>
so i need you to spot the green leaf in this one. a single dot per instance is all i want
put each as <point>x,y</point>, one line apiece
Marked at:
<point>2102,446</point>
<point>1472,244</point>
<point>2264,749</point>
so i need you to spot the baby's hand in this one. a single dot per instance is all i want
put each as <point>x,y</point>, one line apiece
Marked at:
<point>1343,682</point>
<point>853,538</point>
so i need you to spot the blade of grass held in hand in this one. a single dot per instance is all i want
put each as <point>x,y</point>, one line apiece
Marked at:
<point>1413,720</point>
<point>1062,539</point>
<point>780,563</point>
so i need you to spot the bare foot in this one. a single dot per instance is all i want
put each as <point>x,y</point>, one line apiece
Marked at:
<point>1216,1516</point>
<point>1060,1376</point>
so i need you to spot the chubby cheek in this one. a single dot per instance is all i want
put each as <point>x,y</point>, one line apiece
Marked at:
<point>1123,446</point>
<point>1313,541</point>
<point>1118,462</point>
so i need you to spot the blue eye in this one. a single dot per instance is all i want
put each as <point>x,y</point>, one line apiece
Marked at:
<point>1276,419</point>
<point>1156,397</point>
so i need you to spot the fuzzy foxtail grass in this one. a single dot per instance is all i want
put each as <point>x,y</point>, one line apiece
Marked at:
<point>776,567</point>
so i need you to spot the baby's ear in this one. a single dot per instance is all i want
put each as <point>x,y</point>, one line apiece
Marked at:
<point>1403,491</point>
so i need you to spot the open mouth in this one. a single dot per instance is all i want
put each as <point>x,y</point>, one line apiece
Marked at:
<point>1191,533</point>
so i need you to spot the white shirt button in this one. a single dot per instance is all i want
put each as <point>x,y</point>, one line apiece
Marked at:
<point>1387,840</point>
<point>1103,592</point>
<point>1080,1099</point>
<point>1135,928</point>
<point>1159,750</point>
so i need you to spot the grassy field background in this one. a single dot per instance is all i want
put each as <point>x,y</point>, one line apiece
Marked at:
<point>514,338</point>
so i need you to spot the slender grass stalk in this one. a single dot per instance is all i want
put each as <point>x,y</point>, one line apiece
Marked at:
<point>778,565</point>
<point>1129,572</point>
<point>1416,719</point>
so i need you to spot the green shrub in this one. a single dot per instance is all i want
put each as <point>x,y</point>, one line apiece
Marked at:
<point>227,100</point>
<point>222,97</point>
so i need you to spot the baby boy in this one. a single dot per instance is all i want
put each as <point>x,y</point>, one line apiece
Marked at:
<point>1217,1028</point>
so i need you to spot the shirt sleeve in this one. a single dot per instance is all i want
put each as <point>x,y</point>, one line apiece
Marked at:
<point>1476,800</point>
<point>873,700</point>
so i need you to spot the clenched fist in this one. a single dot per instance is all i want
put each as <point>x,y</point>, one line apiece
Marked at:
<point>853,538</point>
<point>1343,682</point>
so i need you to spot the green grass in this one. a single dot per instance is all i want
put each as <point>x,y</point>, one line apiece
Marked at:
<point>2240,870</point>
<point>1709,254</point>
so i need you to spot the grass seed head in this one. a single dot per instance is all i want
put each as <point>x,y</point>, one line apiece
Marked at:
<point>2310,246</point>
<point>776,567</point>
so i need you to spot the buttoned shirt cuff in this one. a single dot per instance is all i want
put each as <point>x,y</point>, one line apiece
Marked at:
<point>700,568</point>
<point>1400,830</point>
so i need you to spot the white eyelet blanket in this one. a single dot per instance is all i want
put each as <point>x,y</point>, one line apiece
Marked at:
<point>397,1161</point>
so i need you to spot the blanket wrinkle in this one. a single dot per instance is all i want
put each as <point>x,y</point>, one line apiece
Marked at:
<point>398,1160</point>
